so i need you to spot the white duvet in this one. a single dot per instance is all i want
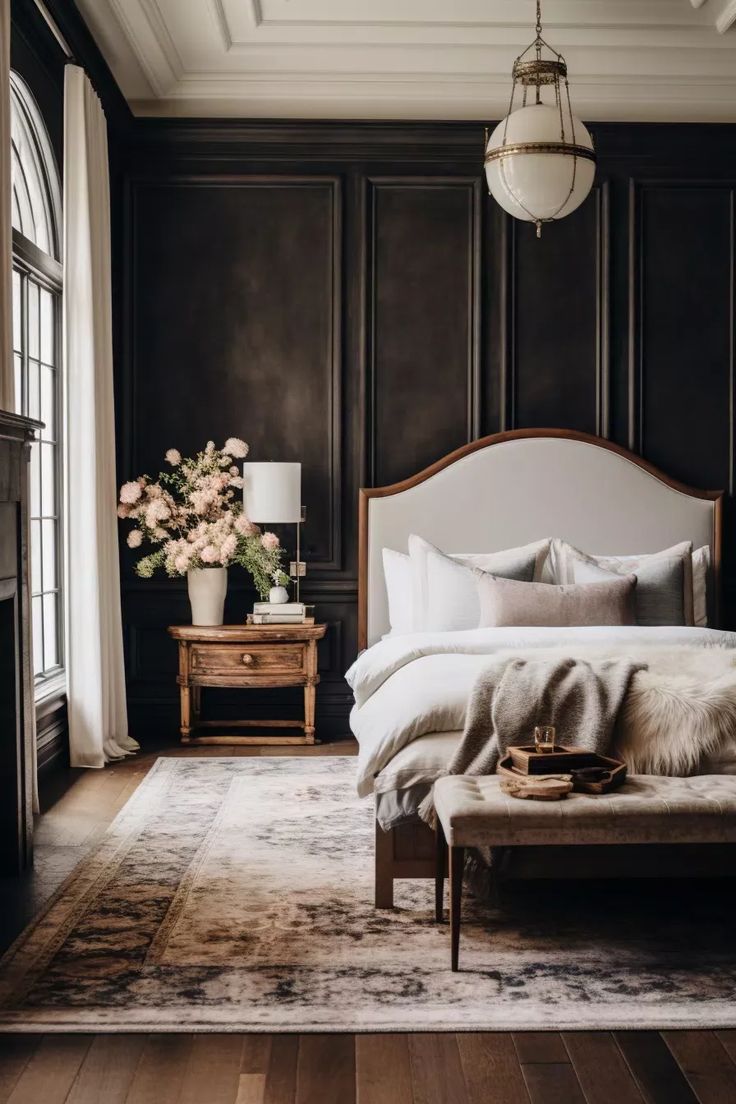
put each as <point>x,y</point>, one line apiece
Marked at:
<point>408,686</point>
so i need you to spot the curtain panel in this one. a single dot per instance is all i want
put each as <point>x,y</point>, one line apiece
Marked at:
<point>98,723</point>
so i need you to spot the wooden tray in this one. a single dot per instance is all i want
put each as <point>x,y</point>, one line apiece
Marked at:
<point>528,760</point>
<point>618,772</point>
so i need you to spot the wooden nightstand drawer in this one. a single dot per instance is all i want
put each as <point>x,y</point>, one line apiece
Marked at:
<point>251,659</point>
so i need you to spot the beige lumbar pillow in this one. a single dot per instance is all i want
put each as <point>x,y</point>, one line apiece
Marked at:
<point>506,602</point>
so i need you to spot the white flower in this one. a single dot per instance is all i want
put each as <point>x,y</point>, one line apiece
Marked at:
<point>235,447</point>
<point>135,538</point>
<point>130,493</point>
<point>173,456</point>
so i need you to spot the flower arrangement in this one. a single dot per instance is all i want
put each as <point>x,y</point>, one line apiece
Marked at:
<point>193,515</point>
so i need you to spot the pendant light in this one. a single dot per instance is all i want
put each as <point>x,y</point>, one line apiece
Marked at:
<point>540,161</point>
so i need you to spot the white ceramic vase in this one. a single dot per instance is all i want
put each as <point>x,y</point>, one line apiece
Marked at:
<point>277,595</point>
<point>207,588</point>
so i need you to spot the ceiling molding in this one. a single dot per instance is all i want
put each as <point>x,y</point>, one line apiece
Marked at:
<point>652,60</point>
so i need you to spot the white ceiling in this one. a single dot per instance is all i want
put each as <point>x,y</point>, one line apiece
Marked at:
<point>415,59</point>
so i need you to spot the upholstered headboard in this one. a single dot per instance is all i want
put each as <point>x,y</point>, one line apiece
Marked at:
<point>517,487</point>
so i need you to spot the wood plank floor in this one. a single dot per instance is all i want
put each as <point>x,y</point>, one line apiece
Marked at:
<point>674,1067</point>
<point>477,1068</point>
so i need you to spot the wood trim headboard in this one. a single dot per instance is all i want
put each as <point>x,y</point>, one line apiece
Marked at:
<point>512,488</point>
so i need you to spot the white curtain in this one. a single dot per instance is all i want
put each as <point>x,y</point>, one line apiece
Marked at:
<point>98,722</point>
<point>7,397</point>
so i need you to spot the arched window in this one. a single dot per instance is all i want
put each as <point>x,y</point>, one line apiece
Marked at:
<point>37,289</point>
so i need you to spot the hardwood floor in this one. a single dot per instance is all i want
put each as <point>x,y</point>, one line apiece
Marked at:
<point>588,1068</point>
<point>674,1067</point>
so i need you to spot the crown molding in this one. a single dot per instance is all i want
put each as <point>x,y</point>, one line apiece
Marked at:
<point>657,60</point>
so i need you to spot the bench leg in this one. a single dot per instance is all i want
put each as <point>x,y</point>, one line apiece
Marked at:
<point>457,862</point>
<point>439,872</point>
<point>384,877</point>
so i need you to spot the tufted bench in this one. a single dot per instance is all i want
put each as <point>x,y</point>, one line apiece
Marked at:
<point>474,812</point>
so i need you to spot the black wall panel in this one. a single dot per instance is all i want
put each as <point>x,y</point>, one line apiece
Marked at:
<point>348,295</point>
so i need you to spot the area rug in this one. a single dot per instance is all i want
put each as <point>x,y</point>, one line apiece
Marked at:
<point>236,894</point>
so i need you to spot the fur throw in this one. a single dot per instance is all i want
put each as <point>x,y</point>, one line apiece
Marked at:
<point>677,713</point>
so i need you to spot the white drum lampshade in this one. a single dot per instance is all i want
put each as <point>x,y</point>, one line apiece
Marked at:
<point>542,185</point>
<point>272,492</point>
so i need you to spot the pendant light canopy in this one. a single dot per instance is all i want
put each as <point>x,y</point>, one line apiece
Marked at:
<point>540,162</point>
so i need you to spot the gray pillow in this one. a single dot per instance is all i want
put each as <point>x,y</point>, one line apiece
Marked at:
<point>659,588</point>
<point>505,602</point>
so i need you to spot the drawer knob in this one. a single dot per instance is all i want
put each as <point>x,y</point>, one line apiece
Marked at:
<point>247,659</point>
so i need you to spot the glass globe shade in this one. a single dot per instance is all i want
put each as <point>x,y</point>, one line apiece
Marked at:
<point>536,186</point>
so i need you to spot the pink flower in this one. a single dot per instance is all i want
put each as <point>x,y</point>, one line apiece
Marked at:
<point>235,447</point>
<point>227,549</point>
<point>270,541</point>
<point>123,511</point>
<point>181,563</point>
<point>135,538</point>
<point>156,511</point>
<point>209,554</point>
<point>130,493</point>
<point>173,457</point>
<point>245,527</point>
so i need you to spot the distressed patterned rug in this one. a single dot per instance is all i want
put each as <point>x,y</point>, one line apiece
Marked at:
<point>237,894</point>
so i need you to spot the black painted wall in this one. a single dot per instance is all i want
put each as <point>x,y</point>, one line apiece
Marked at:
<point>349,295</point>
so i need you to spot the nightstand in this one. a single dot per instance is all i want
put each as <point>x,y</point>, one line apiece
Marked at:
<point>247,657</point>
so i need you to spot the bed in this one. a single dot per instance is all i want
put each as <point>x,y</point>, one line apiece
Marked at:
<point>507,490</point>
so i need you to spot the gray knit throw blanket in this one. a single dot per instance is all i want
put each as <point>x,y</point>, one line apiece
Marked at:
<point>580,698</point>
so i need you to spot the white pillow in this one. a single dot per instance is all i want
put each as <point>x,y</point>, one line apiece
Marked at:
<point>445,587</point>
<point>562,557</point>
<point>397,575</point>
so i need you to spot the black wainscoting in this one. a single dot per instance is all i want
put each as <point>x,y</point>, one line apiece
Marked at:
<point>348,295</point>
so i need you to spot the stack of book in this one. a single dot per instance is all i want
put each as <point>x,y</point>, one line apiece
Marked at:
<point>286,613</point>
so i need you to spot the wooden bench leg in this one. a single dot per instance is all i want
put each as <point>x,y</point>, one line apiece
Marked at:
<point>457,862</point>
<point>384,875</point>
<point>439,872</point>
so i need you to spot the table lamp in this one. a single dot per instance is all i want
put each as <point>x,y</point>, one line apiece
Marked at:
<point>272,494</point>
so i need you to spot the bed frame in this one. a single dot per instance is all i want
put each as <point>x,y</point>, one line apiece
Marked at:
<point>510,489</point>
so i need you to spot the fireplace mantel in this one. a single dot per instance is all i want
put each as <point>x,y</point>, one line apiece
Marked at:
<point>17,752</point>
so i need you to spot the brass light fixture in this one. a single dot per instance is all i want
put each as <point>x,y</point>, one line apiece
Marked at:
<point>540,161</point>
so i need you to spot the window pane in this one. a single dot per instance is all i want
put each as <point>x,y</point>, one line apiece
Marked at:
<point>37,636</point>
<point>47,326</point>
<point>48,480</point>
<point>36,556</point>
<point>22,206</point>
<point>17,313</point>
<point>35,480</point>
<point>50,644</point>
<point>35,182</point>
<point>33,346</point>
<point>18,382</point>
<point>34,398</point>
<point>48,534</point>
<point>48,403</point>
